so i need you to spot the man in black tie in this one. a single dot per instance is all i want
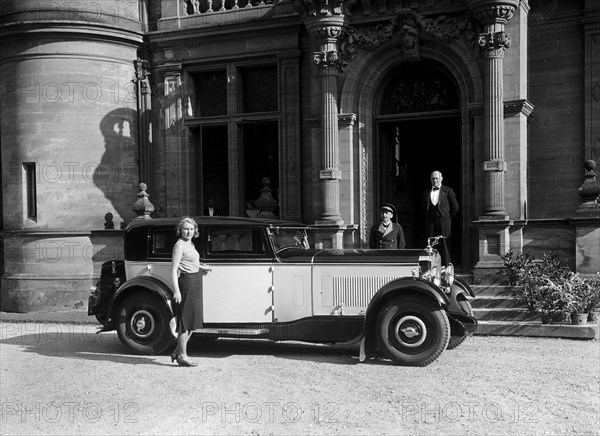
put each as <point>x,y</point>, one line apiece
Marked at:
<point>440,206</point>
<point>210,209</point>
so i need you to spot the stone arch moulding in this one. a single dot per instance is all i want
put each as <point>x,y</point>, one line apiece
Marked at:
<point>359,92</point>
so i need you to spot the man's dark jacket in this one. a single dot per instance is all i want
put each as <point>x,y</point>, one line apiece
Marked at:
<point>447,207</point>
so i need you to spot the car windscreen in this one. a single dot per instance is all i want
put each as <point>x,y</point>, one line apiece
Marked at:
<point>289,237</point>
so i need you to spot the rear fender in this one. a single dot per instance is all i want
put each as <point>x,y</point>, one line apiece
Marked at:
<point>138,284</point>
<point>403,286</point>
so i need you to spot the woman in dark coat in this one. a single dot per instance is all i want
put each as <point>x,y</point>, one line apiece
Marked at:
<point>387,234</point>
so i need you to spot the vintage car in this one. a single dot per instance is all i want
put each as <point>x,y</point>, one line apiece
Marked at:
<point>268,283</point>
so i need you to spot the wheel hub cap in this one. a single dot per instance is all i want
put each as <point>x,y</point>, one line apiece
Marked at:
<point>410,331</point>
<point>142,323</point>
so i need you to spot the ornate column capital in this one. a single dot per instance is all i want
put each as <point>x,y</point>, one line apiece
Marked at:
<point>328,60</point>
<point>493,11</point>
<point>328,31</point>
<point>142,75</point>
<point>495,42</point>
<point>326,27</point>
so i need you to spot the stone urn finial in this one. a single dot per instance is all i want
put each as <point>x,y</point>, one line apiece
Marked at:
<point>142,207</point>
<point>108,221</point>
<point>590,189</point>
<point>266,203</point>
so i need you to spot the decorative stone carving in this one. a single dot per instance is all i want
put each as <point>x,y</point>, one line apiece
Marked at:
<point>409,35</point>
<point>590,189</point>
<point>142,207</point>
<point>108,221</point>
<point>323,7</point>
<point>408,22</point>
<point>266,204</point>
<point>494,41</point>
<point>330,60</point>
<point>449,27</point>
<point>493,11</point>
<point>142,75</point>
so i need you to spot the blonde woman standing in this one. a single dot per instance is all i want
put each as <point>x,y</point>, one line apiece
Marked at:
<point>186,273</point>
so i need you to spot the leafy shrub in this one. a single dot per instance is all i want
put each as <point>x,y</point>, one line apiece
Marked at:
<point>586,293</point>
<point>537,281</point>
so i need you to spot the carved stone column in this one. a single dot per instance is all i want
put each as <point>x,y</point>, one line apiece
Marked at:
<point>180,190</point>
<point>494,225</point>
<point>327,30</point>
<point>144,106</point>
<point>494,15</point>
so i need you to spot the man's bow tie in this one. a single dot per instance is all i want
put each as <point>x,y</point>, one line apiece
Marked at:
<point>436,189</point>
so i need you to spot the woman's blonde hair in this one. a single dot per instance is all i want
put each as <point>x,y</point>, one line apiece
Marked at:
<point>187,220</point>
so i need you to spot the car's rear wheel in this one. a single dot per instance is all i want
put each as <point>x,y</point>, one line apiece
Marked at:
<point>456,340</point>
<point>143,325</point>
<point>412,330</point>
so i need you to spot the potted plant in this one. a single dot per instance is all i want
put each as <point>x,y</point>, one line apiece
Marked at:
<point>553,300</point>
<point>582,293</point>
<point>593,307</point>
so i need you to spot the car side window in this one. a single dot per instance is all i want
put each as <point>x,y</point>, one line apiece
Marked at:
<point>163,241</point>
<point>236,242</point>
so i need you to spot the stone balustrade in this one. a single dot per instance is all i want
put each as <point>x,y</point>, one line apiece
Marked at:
<point>194,7</point>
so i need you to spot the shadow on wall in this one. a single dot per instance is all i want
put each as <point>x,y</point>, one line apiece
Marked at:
<point>117,173</point>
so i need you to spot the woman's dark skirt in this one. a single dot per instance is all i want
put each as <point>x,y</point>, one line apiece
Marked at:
<point>189,312</point>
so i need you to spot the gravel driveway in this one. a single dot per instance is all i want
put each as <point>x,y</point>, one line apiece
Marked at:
<point>64,379</point>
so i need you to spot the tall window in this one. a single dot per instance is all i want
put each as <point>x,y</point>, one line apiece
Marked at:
<point>234,124</point>
<point>30,189</point>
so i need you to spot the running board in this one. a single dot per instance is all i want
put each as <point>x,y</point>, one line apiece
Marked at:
<point>232,333</point>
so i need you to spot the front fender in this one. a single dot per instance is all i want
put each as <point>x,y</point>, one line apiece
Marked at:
<point>461,322</point>
<point>401,286</point>
<point>460,290</point>
<point>143,284</point>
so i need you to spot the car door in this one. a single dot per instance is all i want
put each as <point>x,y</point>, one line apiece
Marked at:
<point>239,287</point>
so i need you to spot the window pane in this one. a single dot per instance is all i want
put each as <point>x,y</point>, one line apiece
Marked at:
<point>214,162</point>
<point>236,241</point>
<point>419,88</point>
<point>259,88</point>
<point>211,93</point>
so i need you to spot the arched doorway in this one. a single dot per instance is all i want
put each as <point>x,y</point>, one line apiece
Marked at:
<point>418,130</point>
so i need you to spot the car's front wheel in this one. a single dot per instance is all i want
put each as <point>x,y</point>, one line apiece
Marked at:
<point>412,330</point>
<point>143,325</point>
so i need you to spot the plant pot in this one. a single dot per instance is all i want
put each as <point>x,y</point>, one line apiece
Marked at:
<point>552,317</point>
<point>579,318</point>
<point>593,317</point>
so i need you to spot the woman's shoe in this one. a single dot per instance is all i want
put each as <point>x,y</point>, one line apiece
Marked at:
<point>184,362</point>
<point>173,356</point>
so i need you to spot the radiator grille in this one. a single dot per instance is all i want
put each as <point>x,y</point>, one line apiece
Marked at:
<point>357,291</point>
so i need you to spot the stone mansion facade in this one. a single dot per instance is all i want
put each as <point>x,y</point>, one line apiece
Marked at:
<point>341,104</point>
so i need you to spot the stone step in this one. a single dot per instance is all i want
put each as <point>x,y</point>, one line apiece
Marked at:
<point>493,290</point>
<point>491,302</point>
<point>537,329</point>
<point>505,314</point>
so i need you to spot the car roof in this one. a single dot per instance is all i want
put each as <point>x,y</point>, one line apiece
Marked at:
<point>215,220</point>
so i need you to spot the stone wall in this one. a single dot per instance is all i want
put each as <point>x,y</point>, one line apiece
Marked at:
<point>556,130</point>
<point>69,142</point>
